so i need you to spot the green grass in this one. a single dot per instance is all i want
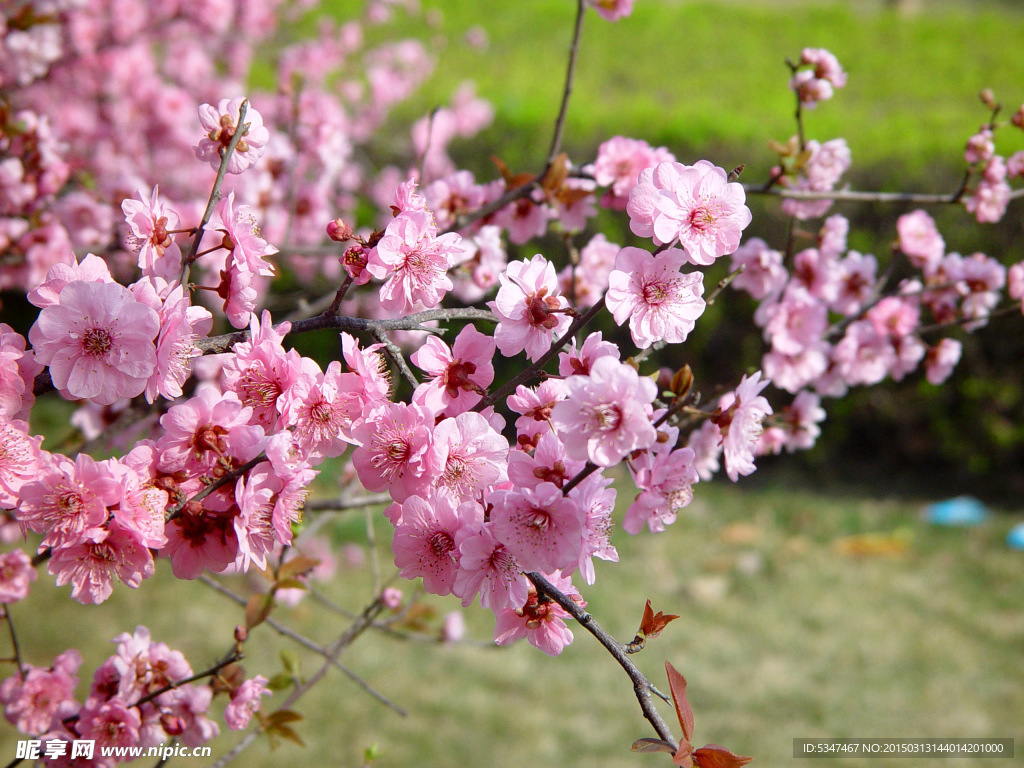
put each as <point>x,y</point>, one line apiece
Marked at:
<point>779,637</point>
<point>708,79</point>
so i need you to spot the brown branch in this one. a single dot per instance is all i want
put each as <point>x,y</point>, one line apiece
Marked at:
<point>225,342</point>
<point>570,74</point>
<point>866,196</point>
<point>306,643</point>
<point>642,687</point>
<point>241,128</point>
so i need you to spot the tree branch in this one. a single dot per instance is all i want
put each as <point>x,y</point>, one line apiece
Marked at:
<point>642,687</point>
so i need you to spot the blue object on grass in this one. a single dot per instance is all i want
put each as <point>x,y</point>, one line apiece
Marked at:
<point>963,510</point>
<point>1015,538</point>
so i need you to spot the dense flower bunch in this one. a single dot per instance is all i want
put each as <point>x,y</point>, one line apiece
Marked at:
<point>495,487</point>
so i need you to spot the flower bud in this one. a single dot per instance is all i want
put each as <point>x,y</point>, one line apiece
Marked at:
<point>339,231</point>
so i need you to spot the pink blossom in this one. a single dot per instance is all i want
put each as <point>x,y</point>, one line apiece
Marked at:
<point>18,369</point>
<point>541,622</point>
<point>856,281</point>
<point>696,205</point>
<point>535,405</point>
<point>738,416</point>
<point>196,432</point>
<point>801,369</point>
<point>980,147</point>
<point>91,269</point>
<point>19,460</point>
<point>153,225</point>
<point>110,724</point>
<point>426,541</point>
<point>816,273</point>
<point>989,201</point>
<point>453,195</point>
<point>241,237</point>
<point>661,303</point>
<point>611,10</point>
<point>393,452</point>
<point>261,371</point>
<point>34,703</point>
<point>664,480</point>
<point>763,274</point>
<point>181,325</point>
<point>941,359</point>
<point>98,342</point>
<point>801,421</point>
<point>468,454</point>
<point>920,239</point>
<point>96,558</point>
<point>245,702</point>
<point>795,322</point>
<point>576,362</point>
<point>587,281</point>
<point>321,407</point>
<point>200,539</point>
<point>541,528</point>
<point>863,356</point>
<point>459,376</point>
<point>68,497</point>
<point>529,308</point>
<point>488,569</point>
<point>524,219</point>
<point>597,500</point>
<point>821,172</point>
<point>548,463</point>
<point>706,442</point>
<point>16,574</point>
<point>606,412</point>
<point>414,261</point>
<point>619,163</point>
<point>221,124</point>
<point>895,315</point>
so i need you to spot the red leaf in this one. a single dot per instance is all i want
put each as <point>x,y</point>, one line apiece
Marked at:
<point>684,756</point>
<point>677,685</point>
<point>650,745</point>
<point>717,756</point>
<point>653,623</point>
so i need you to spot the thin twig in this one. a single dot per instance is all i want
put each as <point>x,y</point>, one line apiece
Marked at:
<point>341,503</point>
<point>396,356</point>
<point>918,198</point>
<point>642,687</point>
<point>14,640</point>
<point>563,109</point>
<point>241,128</point>
<point>305,642</point>
<point>225,342</point>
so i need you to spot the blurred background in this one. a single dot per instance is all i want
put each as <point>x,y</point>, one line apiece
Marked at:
<point>815,600</point>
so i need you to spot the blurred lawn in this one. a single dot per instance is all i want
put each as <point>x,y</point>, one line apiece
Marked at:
<point>708,79</point>
<point>781,636</point>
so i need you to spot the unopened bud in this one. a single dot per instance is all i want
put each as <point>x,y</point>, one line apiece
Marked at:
<point>1018,117</point>
<point>339,231</point>
<point>682,380</point>
<point>987,98</point>
<point>172,725</point>
<point>241,633</point>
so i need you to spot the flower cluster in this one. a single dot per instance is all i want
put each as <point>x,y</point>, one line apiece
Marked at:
<point>141,696</point>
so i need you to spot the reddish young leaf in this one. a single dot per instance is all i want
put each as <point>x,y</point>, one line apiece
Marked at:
<point>677,685</point>
<point>717,756</point>
<point>650,745</point>
<point>653,623</point>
